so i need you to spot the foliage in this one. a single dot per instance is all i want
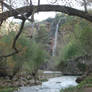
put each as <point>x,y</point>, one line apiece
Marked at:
<point>5,48</point>
<point>29,52</point>
<point>87,82</point>
<point>82,66</point>
<point>71,89</point>
<point>79,39</point>
<point>38,57</point>
<point>72,49</point>
<point>7,89</point>
<point>42,35</point>
<point>85,36</point>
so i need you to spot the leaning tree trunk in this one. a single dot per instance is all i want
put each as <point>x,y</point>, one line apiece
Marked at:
<point>1,10</point>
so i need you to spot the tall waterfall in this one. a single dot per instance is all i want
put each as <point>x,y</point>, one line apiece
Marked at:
<point>55,39</point>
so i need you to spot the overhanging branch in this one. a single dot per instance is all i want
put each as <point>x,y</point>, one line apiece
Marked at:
<point>41,8</point>
<point>47,8</point>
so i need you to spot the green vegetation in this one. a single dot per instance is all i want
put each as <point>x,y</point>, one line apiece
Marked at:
<point>37,58</point>
<point>80,40</point>
<point>72,49</point>
<point>82,66</point>
<point>42,35</point>
<point>7,89</point>
<point>31,55</point>
<point>86,83</point>
<point>71,89</point>
<point>77,40</point>
<point>14,63</point>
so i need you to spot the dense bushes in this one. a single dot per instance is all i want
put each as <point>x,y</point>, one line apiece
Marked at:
<point>82,66</point>
<point>31,54</point>
<point>71,50</point>
<point>78,42</point>
<point>37,57</point>
<point>80,39</point>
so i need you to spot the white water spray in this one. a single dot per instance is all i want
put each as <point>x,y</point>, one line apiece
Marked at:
<point>56,37</point>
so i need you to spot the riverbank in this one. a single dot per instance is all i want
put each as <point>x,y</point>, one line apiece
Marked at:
<point>24,79</point>
<point>52,85</point>
<point>84,86</point>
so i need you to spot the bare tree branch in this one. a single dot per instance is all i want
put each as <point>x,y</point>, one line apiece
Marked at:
<point>10,9</point>
<point>17,36</point>
<point>14,42</point>
<point>47,8</point>
<point>6,5</point>
<point>85,5</point>
<point>38,2</point>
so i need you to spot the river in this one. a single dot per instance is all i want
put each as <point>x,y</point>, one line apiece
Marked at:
<point>52,85</point>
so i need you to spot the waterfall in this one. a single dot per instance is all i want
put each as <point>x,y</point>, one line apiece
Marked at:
<point>55,39</point>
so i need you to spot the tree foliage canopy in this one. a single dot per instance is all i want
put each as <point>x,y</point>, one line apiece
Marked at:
<point>31,53</point>
<point>26,8</point>
<point>78,37</point>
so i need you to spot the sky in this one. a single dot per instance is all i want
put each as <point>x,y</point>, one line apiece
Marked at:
<point>43,15</point>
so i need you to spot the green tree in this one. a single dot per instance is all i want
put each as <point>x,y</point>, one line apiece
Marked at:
<point>43,37</point>
<point>79,40</point>
<point>71,50</point>
<point>15,62</point>
<point>30,52</point>
<point>84,35</point>
<point>38,57</point>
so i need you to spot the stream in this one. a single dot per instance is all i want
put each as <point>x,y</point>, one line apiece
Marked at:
<point>52,85</point>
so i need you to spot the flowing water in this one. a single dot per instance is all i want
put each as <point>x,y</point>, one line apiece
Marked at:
<point>55,40</point>
<point>56,36</point>
<point>52,85</point>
